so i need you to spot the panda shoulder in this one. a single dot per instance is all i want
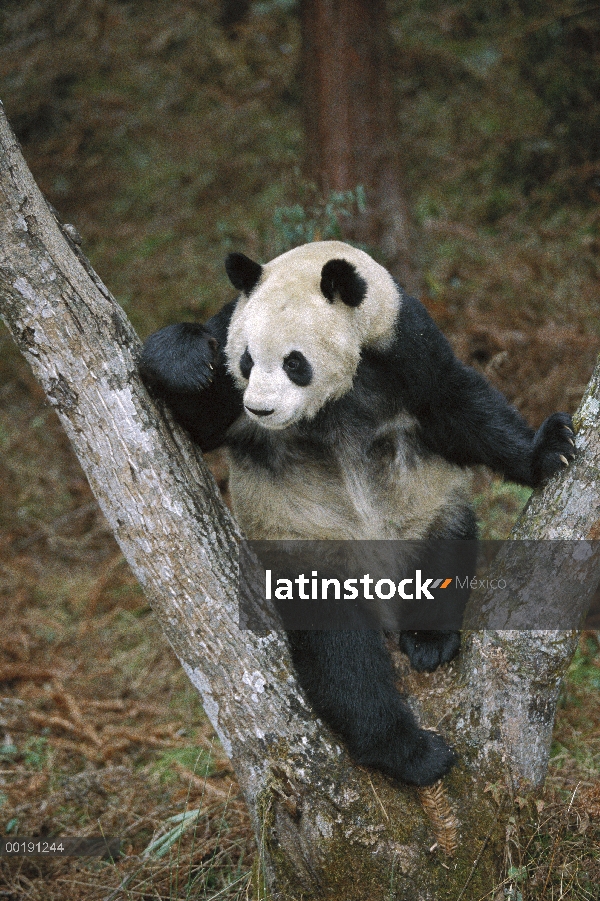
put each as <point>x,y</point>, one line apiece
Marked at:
<point>416,335</point>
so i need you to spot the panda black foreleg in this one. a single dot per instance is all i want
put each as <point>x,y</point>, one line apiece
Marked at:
<point>462,417</point>
<point>184,364</point>
<point>475,425</point>
<point>349,679</point>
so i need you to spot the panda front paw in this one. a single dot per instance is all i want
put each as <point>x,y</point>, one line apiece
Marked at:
<point>428,650</point>
<point>180,359</point>
<point>553,447</point>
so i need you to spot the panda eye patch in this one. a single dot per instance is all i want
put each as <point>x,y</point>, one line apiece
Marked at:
<point>298,369</point>
<point>246,364</point>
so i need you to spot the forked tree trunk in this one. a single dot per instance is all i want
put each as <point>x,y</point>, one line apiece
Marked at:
<point>326,829</point>
<point>348,110</point>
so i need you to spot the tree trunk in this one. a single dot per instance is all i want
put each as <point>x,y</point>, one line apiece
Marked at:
<point>349,129</point>
<point>326,829</point>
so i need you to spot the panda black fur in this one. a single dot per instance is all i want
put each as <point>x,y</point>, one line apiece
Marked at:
<point>346,415</point>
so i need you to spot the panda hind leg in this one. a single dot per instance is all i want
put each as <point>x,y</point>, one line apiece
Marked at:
<point>428,649</point>
<point>349,679</point>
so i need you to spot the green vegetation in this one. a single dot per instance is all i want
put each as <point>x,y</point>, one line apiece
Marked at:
<point>498,506</point>
<point>198,761</point>
<point>316,220</point>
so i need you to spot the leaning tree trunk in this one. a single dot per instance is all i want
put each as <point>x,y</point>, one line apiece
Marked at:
<point>326,829</point>
<point>348,112</point>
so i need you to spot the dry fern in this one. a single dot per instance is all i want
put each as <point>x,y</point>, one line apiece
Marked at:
<point>445,825</point>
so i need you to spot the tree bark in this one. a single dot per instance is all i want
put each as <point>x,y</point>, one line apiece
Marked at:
<point>349,129</point>
<point>326,829</point>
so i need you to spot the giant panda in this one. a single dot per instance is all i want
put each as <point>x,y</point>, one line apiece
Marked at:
<point>346,415</point>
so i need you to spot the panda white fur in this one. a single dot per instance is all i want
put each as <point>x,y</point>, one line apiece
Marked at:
<point>346,415</point>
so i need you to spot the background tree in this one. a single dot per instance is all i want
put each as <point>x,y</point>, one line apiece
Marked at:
<point>350,131</point>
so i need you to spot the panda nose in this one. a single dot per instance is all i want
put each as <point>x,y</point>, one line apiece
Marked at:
<point>260,412</point>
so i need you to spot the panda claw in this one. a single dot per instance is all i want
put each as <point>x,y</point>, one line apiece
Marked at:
<point>564,459</point>
<point>571,442</point>
<point>566,427</point>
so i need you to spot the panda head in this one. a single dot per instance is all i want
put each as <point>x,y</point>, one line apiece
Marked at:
<point>299,327</point>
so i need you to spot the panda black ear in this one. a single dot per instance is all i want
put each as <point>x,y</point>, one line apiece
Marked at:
<point>340,277</point>
<point>243,272</point>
